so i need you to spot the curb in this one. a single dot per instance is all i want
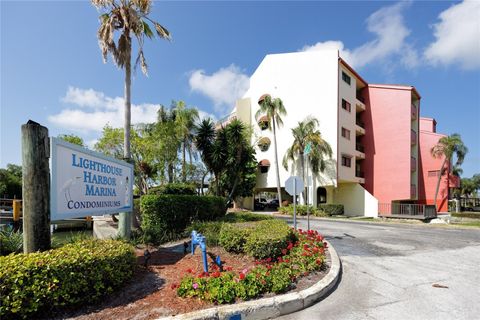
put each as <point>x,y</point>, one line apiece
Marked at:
<point>268,308</point>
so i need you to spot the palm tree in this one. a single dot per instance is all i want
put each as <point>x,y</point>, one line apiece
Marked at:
<point>447,147</point>
<point>273,109</point>
<point>186,123</point>
<point>168,142</point>
<point>306,133</point>
<point>128,17</point>
<point>211,145</point>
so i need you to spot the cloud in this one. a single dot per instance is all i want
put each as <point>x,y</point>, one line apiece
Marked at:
<point>390,40</point>
<point>223,87</point>
<point>96,110</point>
<point>457,36</point>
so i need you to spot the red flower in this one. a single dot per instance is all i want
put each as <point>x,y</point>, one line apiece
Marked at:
<point>189,270</point>
<point>269,260</point>
<point>242,276</point>
<point>269,267</point>
<point>280,260</point>
<point>267,273</point>
<point>306,247</point>
<point>300,230</point>
<point>173,286</point>
<point>216,274</point>
<point>290,246</point>
<point>228,268</point>
<point>284,251</point>
<point>319,261</point>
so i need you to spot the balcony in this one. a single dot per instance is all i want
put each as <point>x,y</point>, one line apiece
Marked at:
<point>360,176</point>
<point>360,127</point>
<point>359,104</point>
<point>414,112</point>
<point>360,154</point>
<point>413,164</point>
<point>413,138</point>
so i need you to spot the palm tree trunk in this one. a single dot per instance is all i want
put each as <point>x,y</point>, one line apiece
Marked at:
<point>279,190</point>
<point>124,225</point>
<point>128,84</point>
<point>184,165</point>
<point>191,162</point>
<point>438,183</point>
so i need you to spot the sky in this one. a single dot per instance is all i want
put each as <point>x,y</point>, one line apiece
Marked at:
<point>52,71</point>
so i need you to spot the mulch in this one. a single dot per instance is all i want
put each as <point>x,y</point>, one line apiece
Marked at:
<point>149,294</point>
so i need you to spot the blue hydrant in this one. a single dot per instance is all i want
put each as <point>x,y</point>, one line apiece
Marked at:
<point>199,240</point>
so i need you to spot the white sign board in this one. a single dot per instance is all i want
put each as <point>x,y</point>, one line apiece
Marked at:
<point>294,185</point>
<point>85,183</point>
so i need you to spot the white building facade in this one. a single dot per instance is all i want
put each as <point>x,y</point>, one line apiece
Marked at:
<point>321,85</point>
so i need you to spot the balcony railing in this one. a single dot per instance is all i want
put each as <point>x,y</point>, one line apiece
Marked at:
<point>413,164</point>
<point>359,147</point>
<point>413,138</point>
<point>359,174</point>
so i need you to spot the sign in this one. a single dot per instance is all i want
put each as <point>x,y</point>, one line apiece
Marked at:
<point>294,185</point>
<point>308,148</point>
<point>85,183</point>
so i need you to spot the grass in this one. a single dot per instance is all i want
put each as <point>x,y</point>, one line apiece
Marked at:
<point>475,224</point>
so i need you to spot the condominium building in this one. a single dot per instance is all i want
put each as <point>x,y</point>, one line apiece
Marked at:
<point>381,146</point>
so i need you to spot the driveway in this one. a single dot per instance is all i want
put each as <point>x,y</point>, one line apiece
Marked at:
<point>389,272</point>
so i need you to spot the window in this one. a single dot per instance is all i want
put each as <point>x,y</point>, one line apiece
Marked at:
<point>346,133</point>
<point>346,161</point>
<point>346,78</point>
<point>346,105</point>
<point>433,173</point>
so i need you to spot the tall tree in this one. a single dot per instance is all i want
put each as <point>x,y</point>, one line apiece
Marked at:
<point>11,181</point>
<point>186,123</point>
<point>209,143</point>
<point>168,142</point>
<point>447,147</point>
<point>72,139</point>
<point>128,17</point>
<point>306,132</point>
<point>273,109</point>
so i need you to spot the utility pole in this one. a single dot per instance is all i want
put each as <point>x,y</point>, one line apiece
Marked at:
<point>36,187</point>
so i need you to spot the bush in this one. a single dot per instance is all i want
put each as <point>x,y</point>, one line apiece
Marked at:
<point>167,215</point>
<point>331,209</point>
<point>174,188</point>
<point>233,217</point>
<point>471,215</point>
<point>260,240</point>
<point>269,275</point>
<point>10,242</point>
<point>234,236</point>
<point>77,273</point>
<point>301,210</point>
<point>268,239</point>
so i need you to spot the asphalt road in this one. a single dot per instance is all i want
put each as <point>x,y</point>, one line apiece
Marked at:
<point>389,271</point>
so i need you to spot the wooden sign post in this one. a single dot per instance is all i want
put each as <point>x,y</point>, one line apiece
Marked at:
<point>36,187</point>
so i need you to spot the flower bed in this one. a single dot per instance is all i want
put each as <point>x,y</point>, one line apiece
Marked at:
<point>275,275</point>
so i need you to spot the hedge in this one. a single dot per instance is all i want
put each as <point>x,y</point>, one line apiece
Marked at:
<point>471,215</point>
<point>173,213</point>
<point>301,210</point>
<point>331,209</point>
<point>260,240</point>
<point>81,272</point>
<point>174,188</point>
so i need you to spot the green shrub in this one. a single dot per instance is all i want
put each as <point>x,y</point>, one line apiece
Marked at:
<point>10,242</point>
<point>244,217</point>
<point>301,210</point>
<point>76,273</point>
<point>471,215</point>
<point>174,188</point>
<point>268,239</point>
<point>331,209</point>
<point>166,215</point>
<point>234,236</point>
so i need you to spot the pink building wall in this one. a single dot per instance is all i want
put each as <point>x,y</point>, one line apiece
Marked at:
<point>387,143</point>
<point>429,167</point>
